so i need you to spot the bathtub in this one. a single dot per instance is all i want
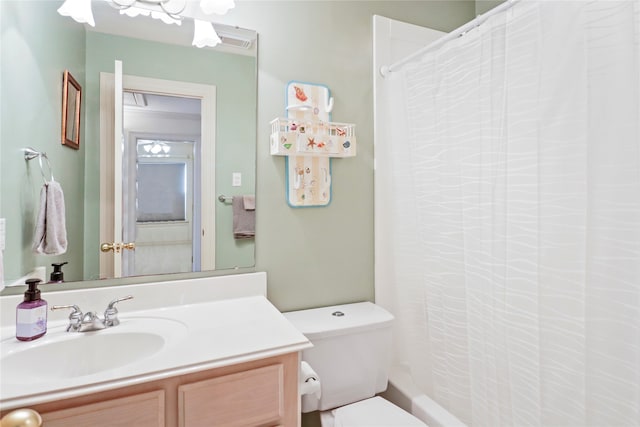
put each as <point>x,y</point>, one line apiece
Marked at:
<point>404,393</point>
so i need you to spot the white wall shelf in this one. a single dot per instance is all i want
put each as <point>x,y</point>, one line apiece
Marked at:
<point>312,138</point>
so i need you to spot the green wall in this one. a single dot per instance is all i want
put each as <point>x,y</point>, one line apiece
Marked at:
<point>235,81</point>
<point>482,6</point>
<point>37,45</point>
<point>321,256</point>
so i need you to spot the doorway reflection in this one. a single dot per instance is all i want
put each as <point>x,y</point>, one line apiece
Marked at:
<point>161,176</point>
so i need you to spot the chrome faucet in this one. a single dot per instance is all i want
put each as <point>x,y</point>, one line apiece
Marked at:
<point>90,321</point>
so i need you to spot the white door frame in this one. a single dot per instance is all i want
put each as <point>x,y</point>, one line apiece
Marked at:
<point>207,96</point>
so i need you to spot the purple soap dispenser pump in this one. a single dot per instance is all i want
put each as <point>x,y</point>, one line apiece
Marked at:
<point>31,314</point>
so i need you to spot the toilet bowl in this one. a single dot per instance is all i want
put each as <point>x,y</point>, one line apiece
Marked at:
<point>372,412</point>
<point>351,358</point>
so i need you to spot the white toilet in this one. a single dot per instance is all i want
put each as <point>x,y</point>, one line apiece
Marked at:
<point>351,354</point>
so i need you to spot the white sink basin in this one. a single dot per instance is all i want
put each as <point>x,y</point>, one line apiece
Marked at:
<point>64,355</point>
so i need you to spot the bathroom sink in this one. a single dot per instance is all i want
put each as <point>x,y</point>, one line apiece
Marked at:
<point>62,355</point>
<point>156,342</point>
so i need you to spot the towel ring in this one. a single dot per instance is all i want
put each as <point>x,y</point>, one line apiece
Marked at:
<point>30,154</point>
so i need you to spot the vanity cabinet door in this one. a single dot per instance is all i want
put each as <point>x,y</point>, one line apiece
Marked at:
<point>250,398</point>
<point>259,393</point>
<point>140,410</point>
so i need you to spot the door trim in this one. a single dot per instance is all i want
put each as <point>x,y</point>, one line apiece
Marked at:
<point>207,95</point>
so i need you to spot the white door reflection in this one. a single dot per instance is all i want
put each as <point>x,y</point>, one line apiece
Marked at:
<point>161,185</point>
<point>163,208</point>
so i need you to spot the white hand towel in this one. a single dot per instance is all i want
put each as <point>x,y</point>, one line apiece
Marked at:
<point>51,231</point>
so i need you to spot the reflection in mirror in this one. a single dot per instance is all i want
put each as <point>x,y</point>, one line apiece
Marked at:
<point>156,120</point>
<point>30,32</point>
<point>71,103</point>
<point>161,182</point>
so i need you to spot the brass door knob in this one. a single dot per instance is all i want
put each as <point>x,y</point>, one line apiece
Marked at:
<point>117,247</point>
<point>21,418</point>
<point>106,247</point>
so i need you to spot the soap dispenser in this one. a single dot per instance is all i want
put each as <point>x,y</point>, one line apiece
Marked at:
<point>31,314</point>
<point>57,276</point>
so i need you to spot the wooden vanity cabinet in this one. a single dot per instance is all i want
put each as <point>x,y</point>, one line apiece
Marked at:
<point>258,393</point>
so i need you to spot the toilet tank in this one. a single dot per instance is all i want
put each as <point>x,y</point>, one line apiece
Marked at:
<point>351,353</point>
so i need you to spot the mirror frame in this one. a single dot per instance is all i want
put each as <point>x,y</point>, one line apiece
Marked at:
<point>71,99</point>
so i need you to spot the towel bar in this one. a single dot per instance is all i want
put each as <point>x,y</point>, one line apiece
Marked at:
<point>30,154</point>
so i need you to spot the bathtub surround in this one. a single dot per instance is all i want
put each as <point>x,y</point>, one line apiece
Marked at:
<point>403,392</point>
<point>516,207</point>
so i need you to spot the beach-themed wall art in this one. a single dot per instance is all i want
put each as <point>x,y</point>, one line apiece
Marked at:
<point>309,140</point>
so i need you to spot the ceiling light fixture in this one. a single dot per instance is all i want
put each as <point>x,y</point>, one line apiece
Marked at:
<point>204,34</point>
<point>156,148</point>
<point>79,10</point>
<point>168,11</point>
<point>134,11</point>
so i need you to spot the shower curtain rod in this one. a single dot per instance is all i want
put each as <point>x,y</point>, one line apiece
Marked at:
<point>476,22</point>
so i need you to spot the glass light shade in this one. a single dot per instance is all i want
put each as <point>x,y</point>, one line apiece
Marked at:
<point>204,34</point>
<point>165,18</point>
<point>219,7</point>
<point>79,10</point>
<point>134,11</point>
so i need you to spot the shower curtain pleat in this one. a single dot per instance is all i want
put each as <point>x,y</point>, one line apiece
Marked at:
<point>517,217</point>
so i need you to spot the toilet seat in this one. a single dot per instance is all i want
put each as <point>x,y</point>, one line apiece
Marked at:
<point>373,412</point>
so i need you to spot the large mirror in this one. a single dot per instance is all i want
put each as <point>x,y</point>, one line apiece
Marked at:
<point>37,46</point>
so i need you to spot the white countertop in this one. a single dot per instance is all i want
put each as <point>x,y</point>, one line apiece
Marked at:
<point>206,335</point>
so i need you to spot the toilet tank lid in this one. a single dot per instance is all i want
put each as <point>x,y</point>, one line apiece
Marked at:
<point>339,319</point>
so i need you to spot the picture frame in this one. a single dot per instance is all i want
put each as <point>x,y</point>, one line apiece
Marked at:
<point>71,103</point>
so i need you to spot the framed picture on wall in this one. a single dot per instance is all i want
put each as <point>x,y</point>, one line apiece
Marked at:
<point>71,97</point>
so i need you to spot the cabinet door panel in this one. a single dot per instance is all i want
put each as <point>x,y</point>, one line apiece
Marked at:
<point>140,410</point>
<point>249,398</point>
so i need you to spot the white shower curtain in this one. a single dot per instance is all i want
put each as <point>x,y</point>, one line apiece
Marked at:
<point>517,217</point>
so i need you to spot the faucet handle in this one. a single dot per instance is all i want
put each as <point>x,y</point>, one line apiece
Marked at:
<point>75,317</point>
<point>112,304</point>
<point>111,313</point>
